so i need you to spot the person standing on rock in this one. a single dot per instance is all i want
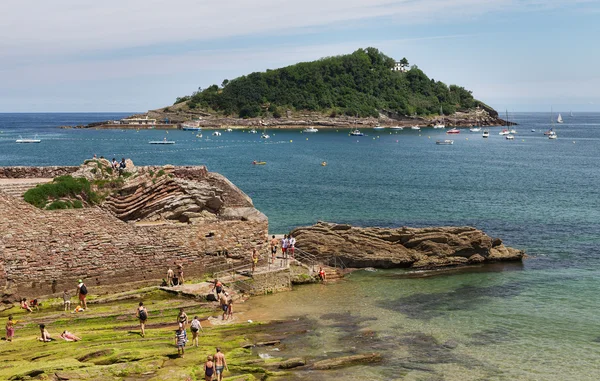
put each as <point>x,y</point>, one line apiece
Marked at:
<point>274,242</point>
<point>218,287</point>
<point>209,369</point>
<point>66,300</point>
<point>223,303</point>
<point>321,274</point>
<point>220,364</point>
<point>142,314</point>
<point>82,292</point>
<point>291,245</point>
<point>170,276</point>
<point>10,328</point>
<point>230,307</point>
<point>180,273</point>
<point>254,259</point>
<point>284,245</point>
<point>195,326</point>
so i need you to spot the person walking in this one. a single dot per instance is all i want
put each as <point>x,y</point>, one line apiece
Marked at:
<point>230,307</point>
<point>195,326</point>
<point>182,318</point>
<point>209,369</point>
<point>170,276</point>
<point>220,364</point>
<point>180,340</point>
<point>82,292</point>
<point>142,314</point>
<point>10,328</point>
<point>218,287</point>
<point>223,303</point>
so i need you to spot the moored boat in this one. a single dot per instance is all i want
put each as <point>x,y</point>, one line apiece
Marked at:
<point>510,137</point>
<point>191,126</point>
<point>396,128</point>
<point>378,127</point>
<point>486,134</point>
<point>453,131</point>
<point>504,132</point>
<point>216,133</point>
<point>416,128</point>
<point>34,140</point>
<point>356,132</point>
<point>310,130</point>
<point>475,129</point>
<point>164,141</point>
<point>444,142</point>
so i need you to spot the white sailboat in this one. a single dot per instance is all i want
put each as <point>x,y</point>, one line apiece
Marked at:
<point>571,114</point>
<point>264,135</point>
<point>559,119</point>
<point>310,130</point>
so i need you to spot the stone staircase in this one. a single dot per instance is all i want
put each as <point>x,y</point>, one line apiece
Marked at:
<point>17,187</point>
<point>332,274</point>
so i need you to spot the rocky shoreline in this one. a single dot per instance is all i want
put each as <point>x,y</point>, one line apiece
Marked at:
<point>422,248</point>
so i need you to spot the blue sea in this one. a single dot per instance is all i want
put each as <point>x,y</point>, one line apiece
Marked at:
<point>536,321</point>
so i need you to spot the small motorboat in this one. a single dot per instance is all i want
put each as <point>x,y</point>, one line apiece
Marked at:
<point>533,130</point>
<point>229,129</point>
<point>164,141</point>
<point>259,162</point>
<point>439,125</point>
<point>453,131</point>
<point>416,128</point>
<point>265,136</point>
<point>549,132</point>
<point>34,140</point>
<point>310,130</point>
<point>323,163</point>
<point>552,135</point>
<point>475,129</point>
<point>378,127</point>
<point>509,137</point>
<point>216,133</point>
<point>446,142</point>
<point>504,132</point>
<point>397,128</point>
<point>486,134</point>
<point>356,132</point>
<point>253,131</point>
<point>512,131</point>
<point>198,135</point>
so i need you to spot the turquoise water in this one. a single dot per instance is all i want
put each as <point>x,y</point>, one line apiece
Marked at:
<point>537,321</point>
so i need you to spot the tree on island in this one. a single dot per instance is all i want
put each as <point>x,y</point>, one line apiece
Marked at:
<point>362,83</point>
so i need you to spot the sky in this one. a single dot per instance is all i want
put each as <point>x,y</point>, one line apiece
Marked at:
<point>135,55</point>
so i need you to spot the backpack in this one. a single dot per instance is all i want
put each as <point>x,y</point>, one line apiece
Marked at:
<point>143,314</point>
<point>83,290</point>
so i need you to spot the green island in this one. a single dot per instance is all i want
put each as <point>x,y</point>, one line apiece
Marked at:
<point>361,84</point>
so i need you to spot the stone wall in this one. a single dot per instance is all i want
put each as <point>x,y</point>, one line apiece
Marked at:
<point>44,252</point>
<point>270,282</point>
<point>35,172</point>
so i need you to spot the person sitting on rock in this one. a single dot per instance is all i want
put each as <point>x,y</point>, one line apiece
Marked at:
<point>25,305</point>
<point>44,335</point>
<point>321,274</point>
<point>114,164</point>
<point>122,166</point>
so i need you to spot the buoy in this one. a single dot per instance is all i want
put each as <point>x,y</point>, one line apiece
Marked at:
<point>291,140</point>
<point>573,141</point>
<point>306,138</point>
<point>429,137</point>
<point>373,138</point>
<point>396,141</point>
<point>467,139</point>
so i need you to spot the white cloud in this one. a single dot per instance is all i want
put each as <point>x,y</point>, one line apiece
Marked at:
<point>74,26</point>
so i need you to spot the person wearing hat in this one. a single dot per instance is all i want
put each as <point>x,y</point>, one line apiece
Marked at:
<point>82,293</point>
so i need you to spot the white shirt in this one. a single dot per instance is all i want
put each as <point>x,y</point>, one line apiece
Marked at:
<point>292,242</point>
<point>285,243</point>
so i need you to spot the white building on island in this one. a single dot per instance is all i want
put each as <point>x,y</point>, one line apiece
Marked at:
<point>400,67</point>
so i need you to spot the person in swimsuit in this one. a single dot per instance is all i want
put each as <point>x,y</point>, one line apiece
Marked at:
<point>254,259</point>
<point>321,274</point>
<point>218,287</point>
<point>68,336</point>
<point>223,303</point>
<point>10,328</point>
<point>182,318</point>
<point>25,305</point>
<point>274,242</point>
<point>209,369</point>
<point>180,273</point>
<point>195,326</point>
<point>142,314</point>
<point>44,335</point>
<point>229,307</point>
<point>220,364</point>
<point>170,276</point>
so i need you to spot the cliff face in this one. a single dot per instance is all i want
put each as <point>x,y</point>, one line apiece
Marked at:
<point>43,251</point>
<point>403,247</point>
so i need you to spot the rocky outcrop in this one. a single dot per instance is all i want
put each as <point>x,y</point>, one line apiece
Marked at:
<point>403,247</point>
<point>21,172</point>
